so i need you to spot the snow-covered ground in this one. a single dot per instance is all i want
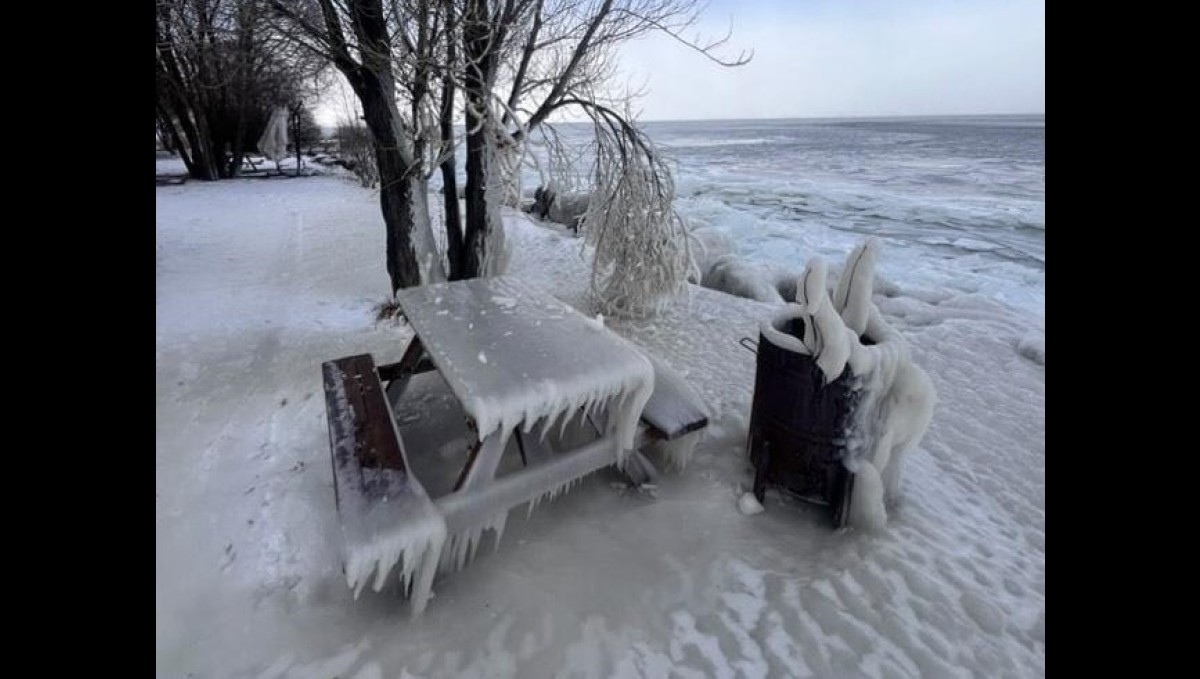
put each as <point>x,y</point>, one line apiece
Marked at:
<point>170,165</point>
<point>259,282</point>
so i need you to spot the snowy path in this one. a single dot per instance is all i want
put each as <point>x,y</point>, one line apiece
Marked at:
<point>258,282</point>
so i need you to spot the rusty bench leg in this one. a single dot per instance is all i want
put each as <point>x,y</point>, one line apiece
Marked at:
<point>395,376</point>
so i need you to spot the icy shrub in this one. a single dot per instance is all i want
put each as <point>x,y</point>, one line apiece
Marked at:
<point>356,153</point>
<point>642,254</point>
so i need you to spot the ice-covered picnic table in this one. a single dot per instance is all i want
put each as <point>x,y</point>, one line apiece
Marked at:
<point>513,355</point>
<point>515,358</point>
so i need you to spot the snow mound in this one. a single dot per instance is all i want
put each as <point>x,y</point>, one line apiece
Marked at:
<point>749,505</point>
<point>1033,347</point>
<point>741,277</point>
<point>712,244</point>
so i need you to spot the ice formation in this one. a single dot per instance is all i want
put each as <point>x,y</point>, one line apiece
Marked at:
<point>569,208</point>
<point>741,277</point>
<point>825,335</point>
<point>749,505</point>
<point>387,516</point>
<point>274,140</point>
<point>852,298</point>
<point>461,545</point>
<point>711,245</point>
<point>533,343</point>
<point>673,408</point>
<point>894,410</point>
<point>468,515</point>
<point>867,509</point>
<point>678,451</point>
<point>417,547</point>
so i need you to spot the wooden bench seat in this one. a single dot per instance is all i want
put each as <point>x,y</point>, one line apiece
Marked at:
<point>359,417</point>
<point>673,409</point>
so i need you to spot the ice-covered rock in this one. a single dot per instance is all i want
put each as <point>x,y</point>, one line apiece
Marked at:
<point>566,208</point>
<point>709,245</point>
<point>741,277</point>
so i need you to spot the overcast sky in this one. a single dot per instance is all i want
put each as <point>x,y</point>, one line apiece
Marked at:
<point>828,58</point>
<point>842,58</point>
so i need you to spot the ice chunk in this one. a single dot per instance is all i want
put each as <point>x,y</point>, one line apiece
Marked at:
<point>749,505</point>
<point>866,503</point>
<point>896,402</point>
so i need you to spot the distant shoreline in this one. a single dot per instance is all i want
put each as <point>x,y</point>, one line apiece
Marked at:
<point>876,119</point>
<point>946,117</point>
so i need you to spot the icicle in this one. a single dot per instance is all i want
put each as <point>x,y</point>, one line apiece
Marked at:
<point>473,545</point>
<point>417,552</point>
<point>852,299</point>
<point>498,527</point>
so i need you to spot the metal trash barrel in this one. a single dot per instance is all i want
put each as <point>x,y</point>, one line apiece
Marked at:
<point>798,425</point>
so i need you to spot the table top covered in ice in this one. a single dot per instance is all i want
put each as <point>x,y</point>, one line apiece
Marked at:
<point>514,355</point>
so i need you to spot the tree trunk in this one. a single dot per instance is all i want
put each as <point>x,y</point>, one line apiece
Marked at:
<point>296,134</point>
<point>203,159</point>
<point>454,234</point>
<point>484,238</point>
<point>396,197</point>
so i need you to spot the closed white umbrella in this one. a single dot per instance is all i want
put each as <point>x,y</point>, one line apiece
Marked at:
<point>274,140</point>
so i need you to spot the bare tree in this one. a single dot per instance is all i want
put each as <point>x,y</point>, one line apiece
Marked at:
<point>513,64</point>
<point>368,43</point>
<point>527,60</point>
<point>219,69</point>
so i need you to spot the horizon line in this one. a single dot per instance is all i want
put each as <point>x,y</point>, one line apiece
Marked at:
<point>837,117</point>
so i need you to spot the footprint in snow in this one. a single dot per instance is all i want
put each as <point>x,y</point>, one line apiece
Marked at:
<point>230,555</point>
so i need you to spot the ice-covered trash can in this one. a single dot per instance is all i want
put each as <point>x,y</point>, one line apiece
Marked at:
<point>838,402</point>
<point>799,422</point>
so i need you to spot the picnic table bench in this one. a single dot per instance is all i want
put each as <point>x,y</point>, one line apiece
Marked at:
<point>513,357</point>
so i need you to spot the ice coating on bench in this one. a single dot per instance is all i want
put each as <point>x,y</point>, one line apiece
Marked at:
<point>388,517</point>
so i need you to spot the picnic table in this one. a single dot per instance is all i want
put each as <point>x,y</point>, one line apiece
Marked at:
<point>516,359</point>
